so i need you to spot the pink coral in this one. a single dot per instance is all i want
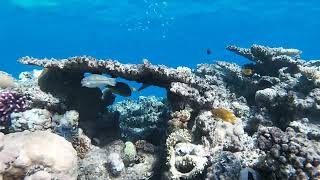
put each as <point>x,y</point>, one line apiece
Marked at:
<point>11,102</point>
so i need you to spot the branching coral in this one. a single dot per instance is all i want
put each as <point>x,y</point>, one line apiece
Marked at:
<point>312,73</point>
<point>269,60</point>
<point>11,102</point>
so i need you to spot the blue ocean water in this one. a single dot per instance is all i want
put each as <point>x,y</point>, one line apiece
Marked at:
<point>172,32</point>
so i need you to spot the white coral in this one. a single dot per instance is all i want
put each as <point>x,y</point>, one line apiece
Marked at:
<point>36,154</point>
<point>32,120</point>
<point>312,73</point>
<point>183,155</point>
<point>116,163</point>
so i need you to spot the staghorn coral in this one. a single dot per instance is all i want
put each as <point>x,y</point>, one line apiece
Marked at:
<point>11,102</point>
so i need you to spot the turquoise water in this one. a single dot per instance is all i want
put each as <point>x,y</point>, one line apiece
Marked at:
<point>174,33</point>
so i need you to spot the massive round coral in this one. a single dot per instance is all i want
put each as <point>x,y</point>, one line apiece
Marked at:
<point>11,102</point>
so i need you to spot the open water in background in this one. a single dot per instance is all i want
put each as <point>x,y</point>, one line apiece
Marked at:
<point>172,32</point>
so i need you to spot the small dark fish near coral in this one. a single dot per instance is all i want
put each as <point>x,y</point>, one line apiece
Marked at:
<point>121,89</point>
<point>209,51</point>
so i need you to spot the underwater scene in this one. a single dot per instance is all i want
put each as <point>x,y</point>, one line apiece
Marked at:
<point>159,90</point>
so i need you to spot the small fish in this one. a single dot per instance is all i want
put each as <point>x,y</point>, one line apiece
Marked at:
<point>108,97</point>
<point>97,80</point>
<point>224,114</point>
<point>121,89</point>
<point>209,51</point>
<point>247,71</point>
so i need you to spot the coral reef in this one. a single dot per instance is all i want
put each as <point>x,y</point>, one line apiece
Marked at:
<point>36,155</point>
<point>218,121</point>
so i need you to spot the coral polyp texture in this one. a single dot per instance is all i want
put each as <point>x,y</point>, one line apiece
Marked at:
<point>218,121</point>
<point>11,102</point>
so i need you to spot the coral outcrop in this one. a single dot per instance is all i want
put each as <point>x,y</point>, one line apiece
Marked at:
<point>36,155</point>
<point>32,120</point>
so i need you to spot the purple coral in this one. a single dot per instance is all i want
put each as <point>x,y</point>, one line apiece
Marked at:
<point>11,102</point>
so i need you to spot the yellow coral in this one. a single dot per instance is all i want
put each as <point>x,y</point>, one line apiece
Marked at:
<point>224,114</point>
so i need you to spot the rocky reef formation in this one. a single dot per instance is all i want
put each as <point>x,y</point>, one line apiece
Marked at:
<point>36,155</point>
<point>219,121</point>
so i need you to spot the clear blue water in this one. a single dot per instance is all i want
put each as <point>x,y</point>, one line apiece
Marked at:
<point>173,32</point>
